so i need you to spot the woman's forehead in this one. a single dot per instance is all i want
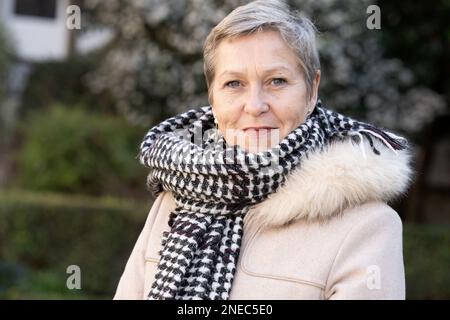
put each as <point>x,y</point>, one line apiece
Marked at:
<point>275,68</point>
<point>267,51</point>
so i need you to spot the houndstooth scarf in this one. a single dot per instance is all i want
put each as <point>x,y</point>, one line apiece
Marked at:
<point>215,184</point>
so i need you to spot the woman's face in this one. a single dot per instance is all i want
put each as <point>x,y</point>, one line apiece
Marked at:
<point>259,92</point>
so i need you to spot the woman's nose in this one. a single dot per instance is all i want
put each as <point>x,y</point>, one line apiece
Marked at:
<point>255,103</point>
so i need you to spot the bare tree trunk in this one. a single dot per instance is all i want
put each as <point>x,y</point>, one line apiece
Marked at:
<point>71,34</point>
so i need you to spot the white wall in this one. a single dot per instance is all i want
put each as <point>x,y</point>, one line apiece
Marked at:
<point>36,38</point>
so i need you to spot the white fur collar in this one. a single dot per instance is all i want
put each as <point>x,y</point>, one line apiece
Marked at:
<point>332,180</point>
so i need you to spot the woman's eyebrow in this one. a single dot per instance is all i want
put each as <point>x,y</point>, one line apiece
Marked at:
<point>267,71</point>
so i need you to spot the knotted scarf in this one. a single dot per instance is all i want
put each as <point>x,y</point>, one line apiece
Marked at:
<point>214,185</point>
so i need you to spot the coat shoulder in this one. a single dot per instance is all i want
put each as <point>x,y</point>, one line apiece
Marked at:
<point>372,214</point>
<point>336,178</point>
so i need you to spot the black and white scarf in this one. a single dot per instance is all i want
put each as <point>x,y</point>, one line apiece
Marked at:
<point>215,184</point>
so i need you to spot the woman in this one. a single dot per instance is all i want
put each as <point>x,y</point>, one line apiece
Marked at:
<point>286,199</point>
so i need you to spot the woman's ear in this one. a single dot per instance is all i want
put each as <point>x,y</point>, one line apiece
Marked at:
<point>214,116</point>
<point>315,90</point>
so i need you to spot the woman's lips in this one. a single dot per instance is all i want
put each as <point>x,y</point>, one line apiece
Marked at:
<point>259,128</point>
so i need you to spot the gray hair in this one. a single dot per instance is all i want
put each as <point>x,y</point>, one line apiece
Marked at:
<point>298,32</point>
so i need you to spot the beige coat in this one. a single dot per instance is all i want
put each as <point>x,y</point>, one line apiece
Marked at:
<point>326,234</point>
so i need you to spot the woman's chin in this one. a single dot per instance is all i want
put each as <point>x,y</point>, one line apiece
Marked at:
<point>258,145</point>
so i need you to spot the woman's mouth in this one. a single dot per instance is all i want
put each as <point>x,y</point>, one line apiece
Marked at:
<point>261,128</point>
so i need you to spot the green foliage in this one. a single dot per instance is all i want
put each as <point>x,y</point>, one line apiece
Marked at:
<point>40,236</point>
<point>165,74</point>
<point>62,82</point>
<point>5,60</point>
<point>419,35</point>
<point>6,57</point>
<point>70,150</point>
<point>427,258</point>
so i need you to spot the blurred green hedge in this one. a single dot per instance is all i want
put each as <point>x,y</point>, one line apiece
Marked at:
<point>427,261</point>
<point>68,149</point>
<point>41,235</point>
<point>64,82</point>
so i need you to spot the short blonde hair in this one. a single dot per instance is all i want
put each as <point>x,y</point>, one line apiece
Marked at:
<point>297,31</point>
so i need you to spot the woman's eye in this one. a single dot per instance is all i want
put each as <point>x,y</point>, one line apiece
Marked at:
<point>278,81</point>
<point>232,84</point>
